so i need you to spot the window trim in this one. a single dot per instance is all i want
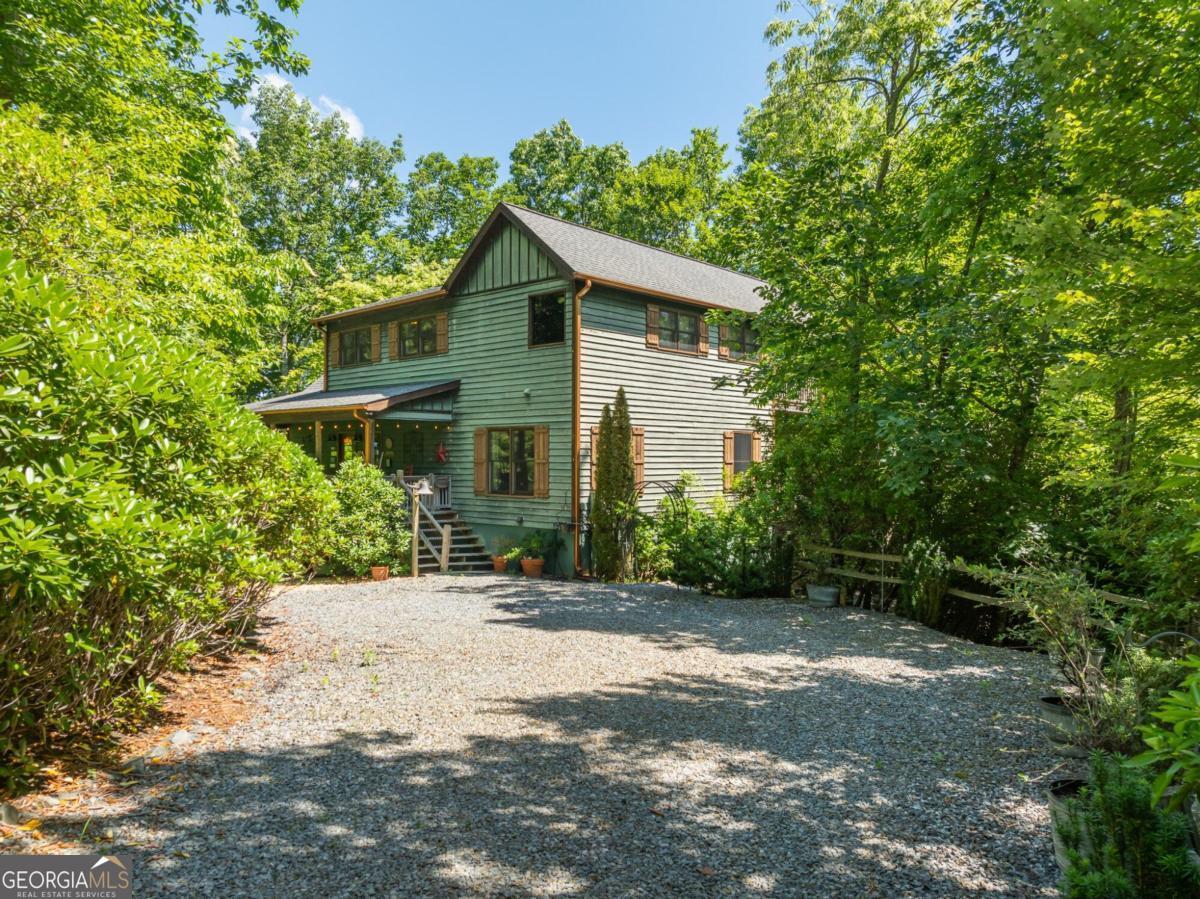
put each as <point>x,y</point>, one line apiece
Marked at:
<point>746,327</point>
<point>502,429</point>
<point>400,355</point>
<point>555,294</point>
<point>346,332</point>
<point>679,314</point>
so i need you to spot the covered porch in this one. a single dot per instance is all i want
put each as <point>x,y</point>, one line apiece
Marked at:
<point>404,429</point>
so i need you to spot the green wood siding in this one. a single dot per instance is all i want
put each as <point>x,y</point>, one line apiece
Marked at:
<point>672,395</point>
<point>488,352</point>
<point>509,259</point>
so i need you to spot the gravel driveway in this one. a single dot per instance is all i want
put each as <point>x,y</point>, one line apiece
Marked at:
<point>496,736</point>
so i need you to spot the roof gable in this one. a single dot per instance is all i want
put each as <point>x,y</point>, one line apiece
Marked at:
<point>504,258</point>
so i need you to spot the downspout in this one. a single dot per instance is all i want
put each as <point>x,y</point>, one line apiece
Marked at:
<point>576,417</point>
<point>368,436</point>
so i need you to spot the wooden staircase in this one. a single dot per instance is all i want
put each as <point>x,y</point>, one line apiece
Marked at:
<point>467,553</point>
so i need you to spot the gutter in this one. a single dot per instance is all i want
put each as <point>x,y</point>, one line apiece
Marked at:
<point>576,416</point>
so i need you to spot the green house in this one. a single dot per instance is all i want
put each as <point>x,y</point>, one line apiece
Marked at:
<point>490,387</point>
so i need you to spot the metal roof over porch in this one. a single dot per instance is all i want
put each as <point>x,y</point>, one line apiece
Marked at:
<point>374,399</point>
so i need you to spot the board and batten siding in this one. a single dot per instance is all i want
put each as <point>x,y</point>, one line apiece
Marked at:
<point>488,351</point>
<point>509,258</point>
<point>671,395</point>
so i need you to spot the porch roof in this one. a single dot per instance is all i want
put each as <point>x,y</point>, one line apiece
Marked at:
<point>366,399</point>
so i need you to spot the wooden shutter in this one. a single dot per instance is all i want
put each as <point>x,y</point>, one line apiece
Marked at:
<point>393,340</point>
<point>541,461</point>
<point>727,463</point>
<point>723,341</point>
<point>756,447</point>
<point>376,337</point>
<point>592,458</point>
<point>335,349</point>
<point>639,456</point>
<point>443,332</point>
<point>702,344</point>
<point>481,472</point>
<point>652,325</point>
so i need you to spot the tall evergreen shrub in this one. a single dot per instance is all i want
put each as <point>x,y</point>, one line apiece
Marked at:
<point>612,494</point>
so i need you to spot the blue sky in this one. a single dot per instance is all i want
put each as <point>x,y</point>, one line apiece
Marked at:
<point>474,76</point>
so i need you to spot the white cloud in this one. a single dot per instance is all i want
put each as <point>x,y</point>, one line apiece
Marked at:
<point>325,105</point>
<point>353,123</point>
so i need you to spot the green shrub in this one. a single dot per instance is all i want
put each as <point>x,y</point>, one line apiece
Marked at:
<point>371,526</point>
<point>1120,844</point>
<point>143,513</point>
<point>734,549</point>
<point>614,501</point>
<point>1175,742</point>
<point>926,575</point>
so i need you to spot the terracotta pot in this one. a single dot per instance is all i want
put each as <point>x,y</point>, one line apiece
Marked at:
<point>379,572</point>
<point>500,564</point>
<point>532,567</point>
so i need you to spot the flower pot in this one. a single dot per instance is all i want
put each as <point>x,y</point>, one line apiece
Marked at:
<point>1061,725</point>
<point>1061,792</point>
<point>532,567</point>
<point>821,596</point>
<point>379,572</point>
<point>500,564</point>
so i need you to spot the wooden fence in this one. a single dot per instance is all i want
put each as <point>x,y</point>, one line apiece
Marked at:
<point>884,579</point>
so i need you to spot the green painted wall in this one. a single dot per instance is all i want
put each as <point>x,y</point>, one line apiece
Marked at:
<point>672,395</point>
<point>505,382</point>
<point>509,258</point>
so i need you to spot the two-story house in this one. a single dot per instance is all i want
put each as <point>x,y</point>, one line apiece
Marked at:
<point>494,382</point>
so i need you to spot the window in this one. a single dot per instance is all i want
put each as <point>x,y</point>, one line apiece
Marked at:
<point>547,319</point>
<point>418,337</point>
<point>355,346</point>
<point>678,330</point>
<point>742,340</point>
<point>743,451</point>
<point>510,461</point>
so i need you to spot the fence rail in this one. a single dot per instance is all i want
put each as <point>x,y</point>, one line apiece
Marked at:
<point>889,558</point>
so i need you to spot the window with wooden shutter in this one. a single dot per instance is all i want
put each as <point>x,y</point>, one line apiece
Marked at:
<point>541,461</point>
<point>376,338</point>
<point>756,447</point>
<point>702,344</point>
<point>652,325</point>
<point>481,460</point>
<point>393,340</point>
<point>723,342</point>
<point>443,332</point>
<point>727,460</point>
<point>639,456</point>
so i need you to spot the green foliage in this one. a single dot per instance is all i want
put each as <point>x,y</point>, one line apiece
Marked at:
<point>447,202</point>
<point>1120,844</point>
<point>926,575</point>
<point>733,549</point>
<point>555,172</point>
<point>371,525</point>
<point>143,513</point>
<point>1175,742</point>
<point>614,501</point>
<point>539,545</point>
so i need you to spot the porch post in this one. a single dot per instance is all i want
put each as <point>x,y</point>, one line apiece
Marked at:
<point>416,530</point>
<point>318,444</point>
<point>368,440</point>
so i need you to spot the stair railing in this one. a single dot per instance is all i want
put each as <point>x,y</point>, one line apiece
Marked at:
<point>418,508</point>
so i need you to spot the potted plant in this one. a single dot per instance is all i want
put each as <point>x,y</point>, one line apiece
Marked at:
<point>532,555</point>
<point>502,555</point>
<point>379,572</point>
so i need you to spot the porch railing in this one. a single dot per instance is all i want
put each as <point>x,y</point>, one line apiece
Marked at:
<point>418,510</point>
<point>441,500</point>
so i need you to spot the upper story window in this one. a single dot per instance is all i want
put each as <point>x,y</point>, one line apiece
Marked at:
<point>739,341</point>
<point>547,319</point>
<point>418,337</point>
<point>354,346</point>
<point>678,330</point>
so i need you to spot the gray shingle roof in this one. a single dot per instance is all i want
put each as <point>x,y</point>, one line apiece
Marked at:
<point>428,293</point>
<point>588,252</point>
<point>312,398</point>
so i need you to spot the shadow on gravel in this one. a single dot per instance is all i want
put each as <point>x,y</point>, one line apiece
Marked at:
<point>785,795</point>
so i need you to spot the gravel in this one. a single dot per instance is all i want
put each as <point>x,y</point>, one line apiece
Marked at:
<point>495,736</point>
